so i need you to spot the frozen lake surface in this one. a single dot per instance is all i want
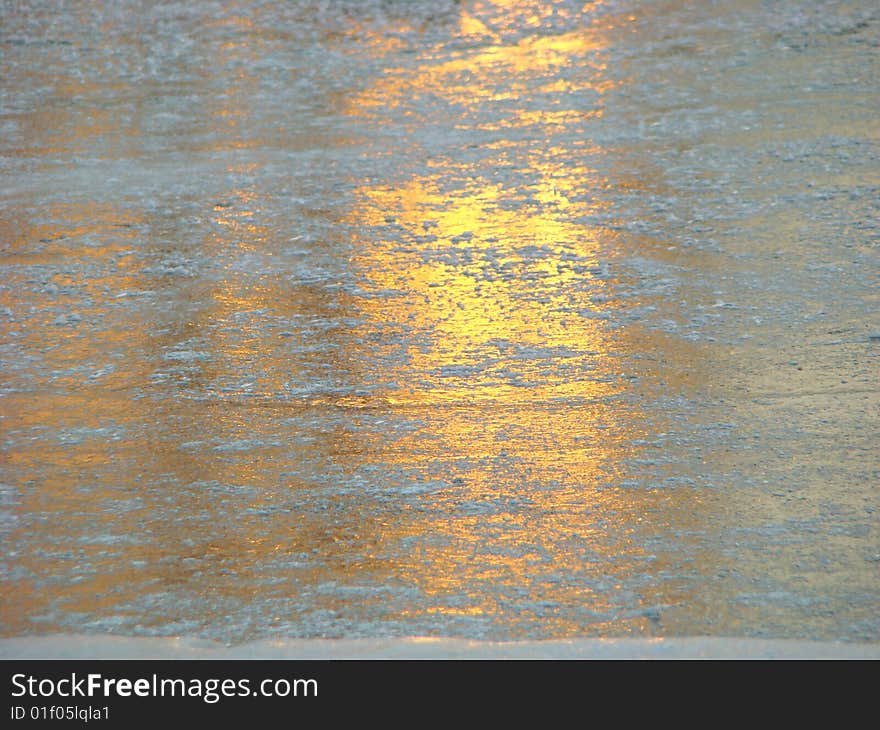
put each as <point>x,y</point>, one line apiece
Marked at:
<point>497,320</point>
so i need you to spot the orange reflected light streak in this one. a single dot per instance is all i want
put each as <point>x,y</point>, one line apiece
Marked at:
<point>492,291</point>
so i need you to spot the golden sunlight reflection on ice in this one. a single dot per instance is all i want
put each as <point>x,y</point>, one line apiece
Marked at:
<point>503,289</point>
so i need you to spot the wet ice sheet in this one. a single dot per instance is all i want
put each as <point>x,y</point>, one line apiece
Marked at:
<point>494,320</point>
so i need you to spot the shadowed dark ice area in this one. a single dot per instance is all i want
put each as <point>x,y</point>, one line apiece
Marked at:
<point>487,319</point>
